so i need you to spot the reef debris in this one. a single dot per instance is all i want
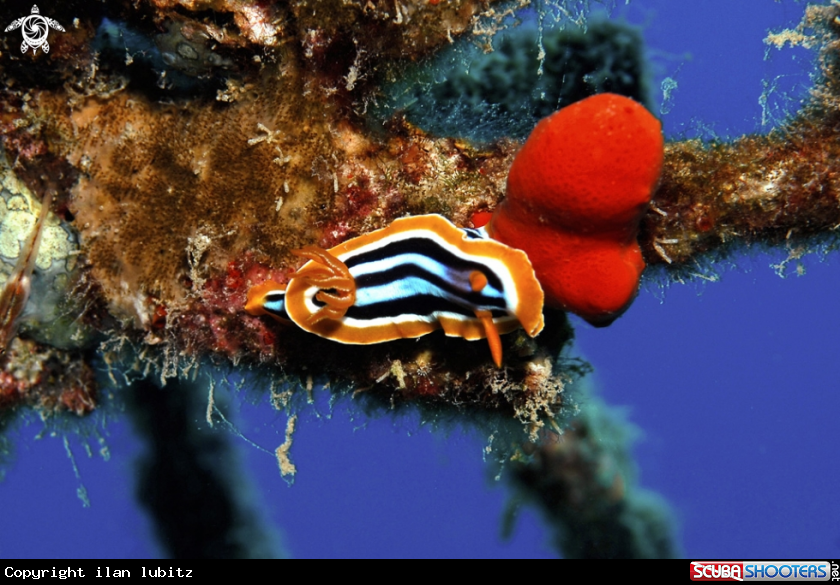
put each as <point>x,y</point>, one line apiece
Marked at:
<point>46,379</point>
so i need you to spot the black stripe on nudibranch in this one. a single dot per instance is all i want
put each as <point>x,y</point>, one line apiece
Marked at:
<point>436,255</point>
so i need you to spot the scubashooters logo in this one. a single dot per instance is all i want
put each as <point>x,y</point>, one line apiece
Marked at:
<point>761,570</point>
<point>35,29</point>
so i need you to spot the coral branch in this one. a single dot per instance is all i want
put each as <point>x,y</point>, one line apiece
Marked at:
<point>184,460</point>
<point>781,188</point>
<point>762,189</point>
<point>584,483</point>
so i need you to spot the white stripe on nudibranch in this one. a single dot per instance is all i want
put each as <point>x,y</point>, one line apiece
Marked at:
<point>419,274</point>
<point>395,261</point>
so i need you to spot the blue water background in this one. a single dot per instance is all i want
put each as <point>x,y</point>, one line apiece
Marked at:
<point>734,384</point>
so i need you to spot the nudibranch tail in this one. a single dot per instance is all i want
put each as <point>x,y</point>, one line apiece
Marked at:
<point>419,274</point>
<point>267,298</point>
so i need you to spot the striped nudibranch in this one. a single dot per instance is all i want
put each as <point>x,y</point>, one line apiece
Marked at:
<point>419,274</point>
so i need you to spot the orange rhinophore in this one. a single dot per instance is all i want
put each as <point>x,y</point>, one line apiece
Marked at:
<point>575,195</point>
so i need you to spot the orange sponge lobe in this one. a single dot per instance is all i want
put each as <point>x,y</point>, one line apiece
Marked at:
<point>575,195</point>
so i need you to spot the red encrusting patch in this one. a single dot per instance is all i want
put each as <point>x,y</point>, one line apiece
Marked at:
<point>158,316</point>
<point>575,195</point>
<point>480,219</point>
<point>214,318</point>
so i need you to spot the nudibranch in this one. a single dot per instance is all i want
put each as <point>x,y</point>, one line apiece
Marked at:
<point>417,275</point>
<point>576,193</point>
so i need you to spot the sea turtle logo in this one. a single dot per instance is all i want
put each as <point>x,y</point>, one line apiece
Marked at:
<point>35,29</point>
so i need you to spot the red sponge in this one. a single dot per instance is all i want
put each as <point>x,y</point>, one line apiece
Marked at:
<point>575,195</point>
